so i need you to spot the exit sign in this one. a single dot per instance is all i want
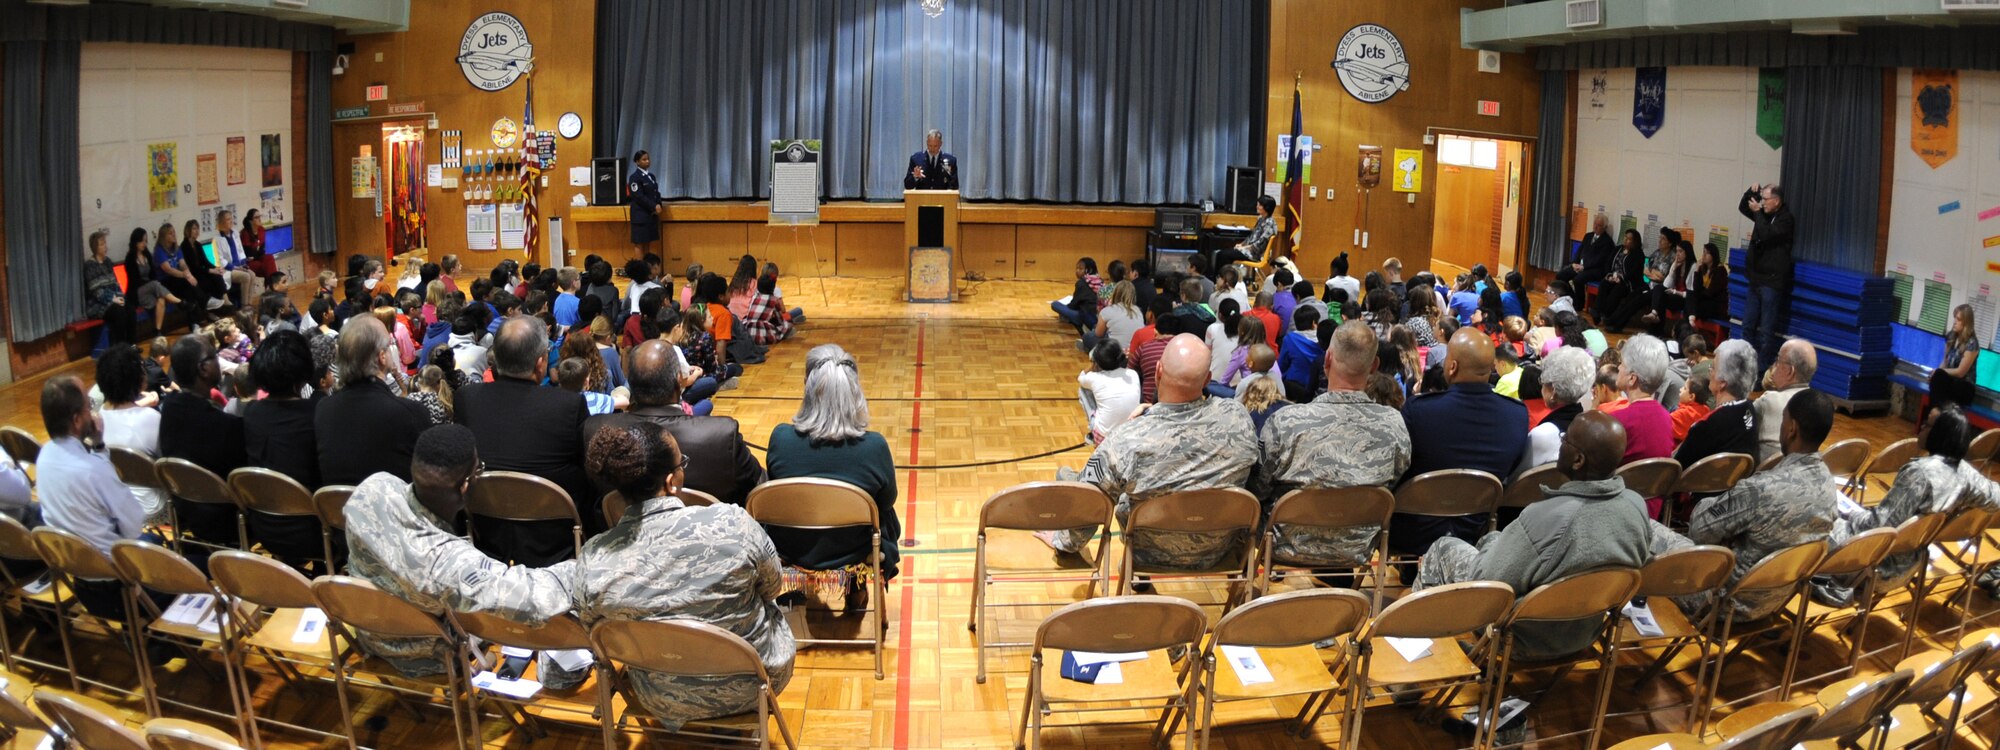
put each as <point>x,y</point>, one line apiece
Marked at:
<point>1489,108</point>
<point>380,92</point>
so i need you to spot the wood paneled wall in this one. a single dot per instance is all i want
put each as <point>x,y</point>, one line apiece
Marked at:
<point>420,65</point>
<point>1445,87</point>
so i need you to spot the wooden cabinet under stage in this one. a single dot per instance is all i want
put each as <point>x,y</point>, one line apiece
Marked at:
<point>857,238</point>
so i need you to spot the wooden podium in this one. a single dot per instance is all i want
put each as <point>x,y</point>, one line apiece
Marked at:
<point>930,231</point>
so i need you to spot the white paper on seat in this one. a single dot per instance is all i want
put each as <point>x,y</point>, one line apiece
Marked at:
<point>519,689</point>
<point>1110,674</point>
<point>39,585</point>
<point>1087,658</point>
<point>1992,639</point>
<point>1642,619</point>
<point>193,610</point>
<point>573,660</point>
<point>1663,746</point>
<point>1249,665</point>
<point>1412,649</point>
<point>1847,505</point>
<point>511,651</point>
<point>312,622</point>
<point>48,742</point>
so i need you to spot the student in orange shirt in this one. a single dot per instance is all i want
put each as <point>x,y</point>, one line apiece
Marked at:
<point>712,292</point>
<point>1693,408</point>
<point>1605,394</point>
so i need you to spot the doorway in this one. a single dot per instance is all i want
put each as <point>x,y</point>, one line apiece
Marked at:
<point>1477,216</point>
<point>402,188</point>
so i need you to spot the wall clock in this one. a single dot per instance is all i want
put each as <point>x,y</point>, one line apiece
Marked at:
<point>570,125</point>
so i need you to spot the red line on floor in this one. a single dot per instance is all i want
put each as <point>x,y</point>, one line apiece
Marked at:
<point>903,656</point>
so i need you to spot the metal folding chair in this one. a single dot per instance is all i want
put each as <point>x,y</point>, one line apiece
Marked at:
<point>1006,553</point>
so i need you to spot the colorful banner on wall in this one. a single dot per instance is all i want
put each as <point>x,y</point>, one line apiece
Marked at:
<point>272,150</point>
<point>1649,100</point>
<point>1934,115</point>
<point>1771,106</point>
<point>162,177</point>
<point>1409,171</point>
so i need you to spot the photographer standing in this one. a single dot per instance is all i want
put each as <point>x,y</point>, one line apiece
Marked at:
<point>1769,267</point>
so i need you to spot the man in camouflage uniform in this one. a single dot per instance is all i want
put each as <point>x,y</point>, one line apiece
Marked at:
<point>1341,439</point>
<point>1784,506</point>
<point>1941,482</point>
<point>399,540</point>
<point>1187,441</point>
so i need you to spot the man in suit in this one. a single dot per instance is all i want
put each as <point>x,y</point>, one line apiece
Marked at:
<point>646,205</point>
<point>932,168</point>
<point>365,428</point>
<point>1592,259</point>
<point>719,462</point>
<point>192,428</point>
<point>524,427</point>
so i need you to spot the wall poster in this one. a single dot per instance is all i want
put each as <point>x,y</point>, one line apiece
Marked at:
<point>206,191</point>
<point>233,160</point>
<point>1934,115</point>
<point>1409,166</point>
<point>162,176</point>
<point>273,153</point>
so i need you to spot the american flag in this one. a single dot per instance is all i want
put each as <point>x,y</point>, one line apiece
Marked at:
<point>531,172</point>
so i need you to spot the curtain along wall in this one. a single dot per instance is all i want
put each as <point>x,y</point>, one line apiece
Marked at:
<point>1122,101</point>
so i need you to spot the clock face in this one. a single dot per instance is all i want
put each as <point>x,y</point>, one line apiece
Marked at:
<point>571,125</point>
<point>504,132</point>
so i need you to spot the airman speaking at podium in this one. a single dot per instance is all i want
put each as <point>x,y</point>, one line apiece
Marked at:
<point>932,168</point>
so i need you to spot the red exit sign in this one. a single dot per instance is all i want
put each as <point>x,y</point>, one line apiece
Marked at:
<point>1489,108</point>
<point>380,92</point>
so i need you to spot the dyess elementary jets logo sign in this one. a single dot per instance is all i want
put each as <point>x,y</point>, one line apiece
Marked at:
<point>494,51</point>
<point>1371,64</point>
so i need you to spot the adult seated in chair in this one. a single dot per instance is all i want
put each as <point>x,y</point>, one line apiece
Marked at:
<point>192,427</point>
<point>720,462</point>
<point>664,560</point>
<point>279,434</point>
<point>365,428</point>
<point>1789,504</point>
<point>829,439</point>
<point>1941,482</point>
<point>524,427</point>
<point>1253,248</point>
<point>1790,373</point>
<point>1187,441</point>
<point>1590,522</point>
<point>1467,426</point>
<point>79,489</point>
<point>1732,426</point>
<point>1567,376</point>
<point>102,299</point>
<point>400,538</point>
<point>1373,448</point>
<point>1592,259</point>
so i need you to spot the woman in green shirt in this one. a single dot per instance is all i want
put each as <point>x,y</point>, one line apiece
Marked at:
<point>829,439</point>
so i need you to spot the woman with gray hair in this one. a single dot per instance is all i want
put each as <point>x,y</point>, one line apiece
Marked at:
<point>829,439</point>
<point>1732,426</point>
<point>1649,429</point>
<point>1567,375</point>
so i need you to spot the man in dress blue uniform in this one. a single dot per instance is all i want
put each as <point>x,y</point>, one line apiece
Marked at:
<point>645,194</point>
<point>932,168</point>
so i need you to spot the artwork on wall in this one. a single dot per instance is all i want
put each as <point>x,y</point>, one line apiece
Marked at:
<point>494,51</point>
<point>1409,167</point>
<point>361,177</point>
<point>206,191</point>
<point>1771,106</point>
<point>162,176</point>
<point>273,151</point>
<point>1371,64</point>
<point>1934,115</point>
<point>1649,100</point>
<point>272,206</point>
<point>233,155</point>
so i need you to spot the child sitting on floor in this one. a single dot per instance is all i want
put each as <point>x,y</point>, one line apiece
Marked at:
<point>1109,391</point>
<point>1258,364</point>
<point>1301,355</point>
<point>573,374</point>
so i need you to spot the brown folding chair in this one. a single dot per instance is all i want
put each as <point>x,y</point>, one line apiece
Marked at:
<point>1768,462</point>
<point>1679,573</point>
<point>1006,552</point>
<point>73,560</point>
<point>36,596</point>
<point>1980,451</point>
<point>1778,733</point>
<point>330,503</point>
<point>1988,671</point>
<point>277,604</point>
<point>21,726</point>
<point>579,704</point>
<point>136,469</point>
<point>269,493</point>
<point>149,568</point>
<point>1597,594</point>
<point>1328,513</point>
<point>1953,568</point>
<point>178,734</point>
<point>1847,461</point>
<point>1652,477</point>
<point>190,483</point>
<point>614,505</point>
<point>87,723</point>
<point>1856,560</point>
<point>819,505</point>
<point>1890,461</point>
<point>1846,715</point>
<point>1711,475</point>
<point>1439,615</point>
<point>682,648</point>
<point>1527,489</point>
<point>22,447</point>
<point>1226,513</point>
<point>1282,629</point>
<point>1447,493</point>
<point>1786,573</point>
<point>1152,625</point>
<point>1941,677</point>
<point>355,606</point>
<point>511,497</point>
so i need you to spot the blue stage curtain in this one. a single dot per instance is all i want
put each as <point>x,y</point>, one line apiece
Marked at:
<point>38,179</point>
<point>1832,170</point>
<point>1548,217</point>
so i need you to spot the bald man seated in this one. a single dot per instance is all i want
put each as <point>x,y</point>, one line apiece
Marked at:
<point>1790,373</point>
<point>1590,522</point>
<point>1467,426</point>
<point>1187,441</point>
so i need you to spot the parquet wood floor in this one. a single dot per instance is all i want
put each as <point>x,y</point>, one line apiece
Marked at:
<point>988,381</point>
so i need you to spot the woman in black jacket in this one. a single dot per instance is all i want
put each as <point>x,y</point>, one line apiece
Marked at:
<point>1627,276</point>
<point>1708,285</point>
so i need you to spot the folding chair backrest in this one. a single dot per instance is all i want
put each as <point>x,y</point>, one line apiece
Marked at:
<point>16,543</point>
<point>1046,506</point>
<point>267,491</point>
<point>1341,508</point>
<point>260,580</point>
<point>514,496</point>
<point>676,647</point>
<point>1893,458</point>
<point>331,504</point>
<point>1449,492</point>
<point>87,726</point>
<point>135,468</point>
<point>811,503</point>
<point>1938,681</point>
<point>1783,569</point>
<point>1916,532</point>
<point>563,633</point>
<point>1863,551</point>
<point>1687,570</point>
<point>357,604</point>
<point>1983,445</point>
<point>1651,477</point>
<point>1122,624</point>
<point>22,446</point>
<point>1294,618</point>
<point>1769,461</point>
<point>157,568</point>
<point>1846,458</point>
<point>72,556</point>
<point>613,508</point>
<point>1527,488</point>
<point>1964,524</point>
<point>1854,714</point>
<point>694,498</point>
<point>1777,733</point>
<point>190,482</point>
<point>180,734</point>
<point>1577,597</point>
<point>15,715</point>
<point>1198,511</point>
<point>1444,611</point>
<point>1716,473</point>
